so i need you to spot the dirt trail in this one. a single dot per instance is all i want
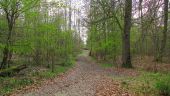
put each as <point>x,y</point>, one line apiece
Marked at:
<point>82,81</point>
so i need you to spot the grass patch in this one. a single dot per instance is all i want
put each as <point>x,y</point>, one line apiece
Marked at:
<point>163,85</point>
<point>106,65</point>
<point>49,74</point>
<point>142,85</point>
<point>10,84</point>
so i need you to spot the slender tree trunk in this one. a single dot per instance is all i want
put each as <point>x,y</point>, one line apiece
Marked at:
<point>70,15</point>
<point>126,54</point>
<point>7,53</point>
<point>164,39</point>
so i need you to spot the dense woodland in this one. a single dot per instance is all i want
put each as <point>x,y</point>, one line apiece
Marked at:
<point>43,38</point>
<point>129,28</point>
<point>37,32</point>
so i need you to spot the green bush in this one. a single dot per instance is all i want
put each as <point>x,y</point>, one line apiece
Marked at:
<point>48,74</point>
<point>69,61</point>
<point>10,84</point>
<point>107,65</point>
<point>163,85</point>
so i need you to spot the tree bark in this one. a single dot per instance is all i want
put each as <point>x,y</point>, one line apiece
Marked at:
<point>164,39</point>
<point>70,15</point>
<point>7,53</point>
<point>126,54</point>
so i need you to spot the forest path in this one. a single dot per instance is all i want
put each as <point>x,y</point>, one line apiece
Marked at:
<point>81,81</point>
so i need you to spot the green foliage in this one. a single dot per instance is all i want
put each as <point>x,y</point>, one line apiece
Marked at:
<point>41,39</point>
<point>142,85</point>
<point>68,61</point>
<point>104,36</point>
<point>107,65</point>
<point>48,74</point>
<point>163,85</point>
<point>10,84</point>
<point>101,46</point>
<point>38,39</point>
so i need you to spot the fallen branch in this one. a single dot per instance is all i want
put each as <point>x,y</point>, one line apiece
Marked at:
<point>11,71</point>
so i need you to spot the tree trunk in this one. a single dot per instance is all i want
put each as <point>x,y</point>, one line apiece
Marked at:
<point>126,54</point>
<point>164,39</point>
<point>12,71</point>
<point>70,15</point>
<point>7,53</point>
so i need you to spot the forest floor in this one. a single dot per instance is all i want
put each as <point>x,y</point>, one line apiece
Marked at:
<point>87,79</point>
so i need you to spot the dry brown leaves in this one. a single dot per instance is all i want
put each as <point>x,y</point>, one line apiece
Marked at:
<point>41,82</point>
<point>147,63</point>
<point>110,88</point>
<point>126,72</point>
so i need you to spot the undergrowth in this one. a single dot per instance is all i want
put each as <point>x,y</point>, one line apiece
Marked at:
<point>146,84</point>
<point>106,65</point>
<point>11,84</point>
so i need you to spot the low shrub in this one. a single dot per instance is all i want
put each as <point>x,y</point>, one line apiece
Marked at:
<point>68,61</point>
<point>163,86</point>
<point>10,84</point>
<point>49,74</point>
